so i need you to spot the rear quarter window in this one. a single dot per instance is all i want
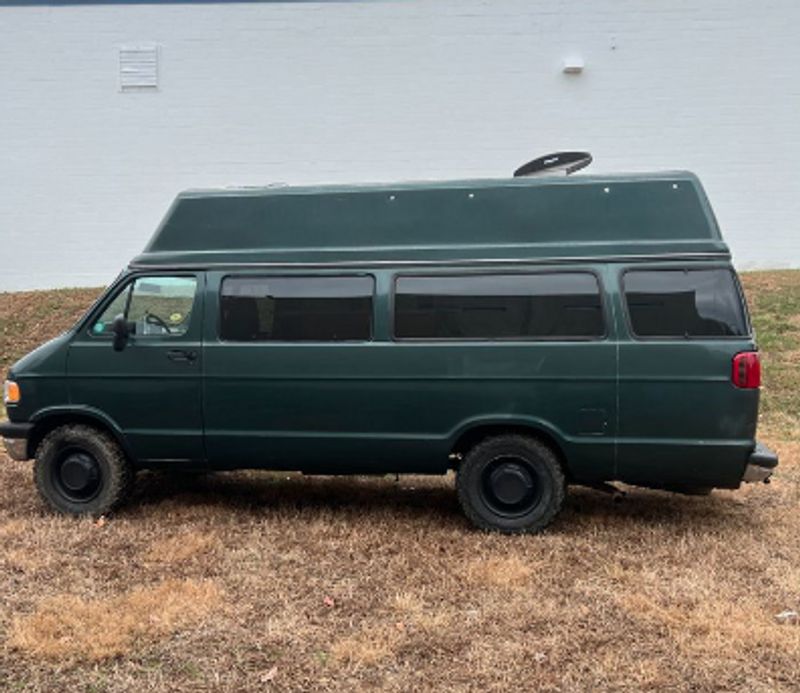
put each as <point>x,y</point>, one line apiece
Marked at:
<point>684,303</point>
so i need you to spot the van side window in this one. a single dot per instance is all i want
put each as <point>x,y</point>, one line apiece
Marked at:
<point>684,303</point>
<point>102,326</point>
<point>157,306</point>
<point>302,309</point>
<point>546,305</point>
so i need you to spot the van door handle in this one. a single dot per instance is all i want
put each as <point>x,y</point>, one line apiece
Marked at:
<point>181,355</point>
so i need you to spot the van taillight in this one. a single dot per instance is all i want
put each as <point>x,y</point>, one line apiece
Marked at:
<point>746,370</point>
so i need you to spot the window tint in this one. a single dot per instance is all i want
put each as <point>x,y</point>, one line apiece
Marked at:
<point>157,306</point>
<point>499,306</point>
<point>296,309</point>
<point>684,303</point>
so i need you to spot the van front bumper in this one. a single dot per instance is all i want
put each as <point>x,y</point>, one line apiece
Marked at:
<point>760,465</point>
<point>15,439</point>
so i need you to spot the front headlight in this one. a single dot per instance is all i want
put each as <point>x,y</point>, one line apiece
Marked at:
<point>11,394</point>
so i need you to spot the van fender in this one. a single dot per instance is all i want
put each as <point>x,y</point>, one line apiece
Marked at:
<point>537,427</point>
<point>79,413</point>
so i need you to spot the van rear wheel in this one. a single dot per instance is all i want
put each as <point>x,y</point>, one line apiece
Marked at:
<point>511,484</point>
<point>80,470</point>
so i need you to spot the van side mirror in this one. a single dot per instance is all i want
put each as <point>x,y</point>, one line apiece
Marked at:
<point>122,331</point>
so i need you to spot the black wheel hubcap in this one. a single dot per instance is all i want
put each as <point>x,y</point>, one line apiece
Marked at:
<point>78,476</point>
<point>510,486</point>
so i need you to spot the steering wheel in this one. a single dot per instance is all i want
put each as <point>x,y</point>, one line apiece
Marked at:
<point>568,162</point>
<point>153,319</point>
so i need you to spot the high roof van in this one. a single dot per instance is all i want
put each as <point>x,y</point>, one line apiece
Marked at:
<point>528,333</point>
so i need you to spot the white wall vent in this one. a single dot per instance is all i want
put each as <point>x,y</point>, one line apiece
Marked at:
<point>138,68</point>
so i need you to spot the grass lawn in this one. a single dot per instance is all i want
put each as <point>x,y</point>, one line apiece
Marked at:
<point>259,581</point>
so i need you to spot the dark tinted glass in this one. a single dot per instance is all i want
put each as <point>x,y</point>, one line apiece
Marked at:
<point>499,306</point>
<point>681,303</point>
<point>321,309</point>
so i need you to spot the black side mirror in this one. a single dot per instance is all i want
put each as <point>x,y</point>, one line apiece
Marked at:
<point>122,331</point>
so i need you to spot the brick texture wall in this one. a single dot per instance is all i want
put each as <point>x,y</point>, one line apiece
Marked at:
<point>304,92</point>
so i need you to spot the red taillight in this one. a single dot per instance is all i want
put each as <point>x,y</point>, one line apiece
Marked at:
<point>746,370</point>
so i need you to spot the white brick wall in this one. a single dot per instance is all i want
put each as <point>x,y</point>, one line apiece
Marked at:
<point>304,92</point>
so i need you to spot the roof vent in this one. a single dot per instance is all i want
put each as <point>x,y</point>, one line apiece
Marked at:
<point>559,162</point>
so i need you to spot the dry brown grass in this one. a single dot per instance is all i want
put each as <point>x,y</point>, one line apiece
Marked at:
<point>255,581</point>
<point>371,646</point>
<point>68,628</point>
<point>182,547</point>
<point>511,571</point>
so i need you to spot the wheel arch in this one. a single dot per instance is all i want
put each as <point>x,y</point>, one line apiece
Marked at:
<point>49,419</point>
<point>477,430</point>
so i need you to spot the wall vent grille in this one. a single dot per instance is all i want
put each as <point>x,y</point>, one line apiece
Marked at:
<point>138,68</point>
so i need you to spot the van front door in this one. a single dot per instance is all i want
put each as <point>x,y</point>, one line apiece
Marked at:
<point>151,389</point>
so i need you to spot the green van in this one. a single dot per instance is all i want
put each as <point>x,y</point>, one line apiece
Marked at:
<point>527,333</point>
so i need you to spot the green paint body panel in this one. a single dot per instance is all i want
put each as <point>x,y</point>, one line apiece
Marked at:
<point>156,403</point>
<point>434,222</point>
<point>651,412</point>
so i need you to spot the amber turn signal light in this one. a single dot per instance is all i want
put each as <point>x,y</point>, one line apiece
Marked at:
<point>11,394</point>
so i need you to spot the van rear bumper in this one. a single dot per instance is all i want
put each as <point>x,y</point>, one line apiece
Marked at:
<point>15,439</point>
<point>760,465</point>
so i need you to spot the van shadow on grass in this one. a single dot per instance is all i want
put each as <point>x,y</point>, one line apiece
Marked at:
<point>257,494</point>
<point>640,506</point>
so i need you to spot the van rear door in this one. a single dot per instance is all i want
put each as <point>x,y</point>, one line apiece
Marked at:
<point>682,421</point>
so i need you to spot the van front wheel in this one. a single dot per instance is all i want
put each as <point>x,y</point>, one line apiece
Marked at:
<point>511,484</point>
<point>80,470</point>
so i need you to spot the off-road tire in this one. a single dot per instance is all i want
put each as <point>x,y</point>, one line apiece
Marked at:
<point>526,456</point>
<point>115,472</point>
